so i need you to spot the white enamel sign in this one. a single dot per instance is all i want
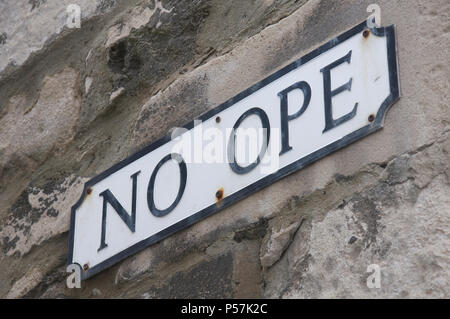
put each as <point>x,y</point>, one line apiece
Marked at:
<point>322,102</point>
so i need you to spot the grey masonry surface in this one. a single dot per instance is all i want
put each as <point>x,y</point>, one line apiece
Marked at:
<point>73,102</point>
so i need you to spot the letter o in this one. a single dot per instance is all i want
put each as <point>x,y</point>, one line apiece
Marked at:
<point>231,144</point>
<point>151,185</point>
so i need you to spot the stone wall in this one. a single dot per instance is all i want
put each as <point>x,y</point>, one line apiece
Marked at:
<point>73,102</point>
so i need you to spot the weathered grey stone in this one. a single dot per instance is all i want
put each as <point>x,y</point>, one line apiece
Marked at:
<point>410,243</point>
<point>39,215</point>
<point>426,164</point>
<point>31,131</point>
<point>277,243</point>
<point>247,272</point>
<point>27,26</point>
<point>185,97</point>
<point>25,284</point>
<point>210,279</point>
<point>135,19</point>
<point>75,102</point>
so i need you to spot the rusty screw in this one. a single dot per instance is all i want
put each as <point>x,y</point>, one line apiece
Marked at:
<point>219,194</point>
<point>89,191</point>
<point>218,119</point>
<point>366,33</point>
<point>85,267</point>
<point>371,118</point>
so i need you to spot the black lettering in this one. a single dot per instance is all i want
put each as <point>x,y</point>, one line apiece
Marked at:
<point>285,117</point>
<point>328,94</point>
<point>232,143</point>
<point>151,185</point>
<point>130,221</point>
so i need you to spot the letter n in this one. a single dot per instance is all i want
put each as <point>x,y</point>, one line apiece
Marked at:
<point>129,220</point>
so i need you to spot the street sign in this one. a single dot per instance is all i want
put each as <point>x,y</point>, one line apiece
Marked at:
<point>322,102</point>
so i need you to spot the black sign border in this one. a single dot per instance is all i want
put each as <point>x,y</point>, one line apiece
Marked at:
<point>375,125</point>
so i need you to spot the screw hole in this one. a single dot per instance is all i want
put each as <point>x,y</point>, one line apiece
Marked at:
<point>366,33</point>
<point>219,194</point>
<point>218,119</point>
<point>371,118</point>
